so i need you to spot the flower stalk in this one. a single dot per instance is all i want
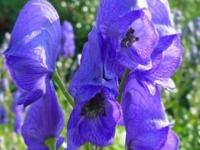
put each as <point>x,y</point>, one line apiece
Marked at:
<point>122,84</point>
<point>58,81</point>
<point>51,143</point>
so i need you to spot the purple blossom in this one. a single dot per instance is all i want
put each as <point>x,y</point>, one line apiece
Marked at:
<point>68,44</point>
<point>3,114</point>
<point>93,121</point>
<point>33,49</point>
<point>135,28</point>
<point>94,88</point>
<point>18,111</point>
<point>44,120</point>
<point>146,124</point>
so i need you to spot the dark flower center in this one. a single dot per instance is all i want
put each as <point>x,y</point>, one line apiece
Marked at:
<point>129,38</point>
<point>94,107</point>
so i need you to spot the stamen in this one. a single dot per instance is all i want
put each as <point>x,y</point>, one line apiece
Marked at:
<point>94,107</point>
<point>129,38</point>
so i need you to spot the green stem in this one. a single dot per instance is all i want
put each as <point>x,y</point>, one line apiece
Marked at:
<point>88,146</point>
<point>122,84</point>
<point>60,84</point>
<point>51,143</point>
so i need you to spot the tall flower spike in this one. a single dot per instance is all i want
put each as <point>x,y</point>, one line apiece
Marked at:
<point>68,43</point>
<point>33,49</point>
<point>44,120</point>
<point>146,125</point>
<point>93,121</point>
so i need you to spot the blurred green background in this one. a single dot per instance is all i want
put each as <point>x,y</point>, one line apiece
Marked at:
<point>182,105</point>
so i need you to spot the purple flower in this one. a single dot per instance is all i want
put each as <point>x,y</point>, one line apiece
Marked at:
<point>93,73</point>
<point>135,28</point>
<point>68,44</point>
<point>3,114</point>
<point>33,49</point>
<point>18,111</point>
<point>146,124</point>
<point>94,89</point>
<point>132,31</point>
<point>44,120</point>
<point>93,121</point>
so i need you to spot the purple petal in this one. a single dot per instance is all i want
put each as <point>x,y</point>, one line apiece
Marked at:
<point>160,12</point>
<point>172,142</point>
<point>144,117</point>
<point>18,111</point>
<point>119,26</point>
<point>44,120</point>
<point>34,45</point>
<point>92,75</point>
<point>99,130</point>
<point>3,114</point>
<point>166,63</point>
<point>59,142</point>
<point>110,10</point>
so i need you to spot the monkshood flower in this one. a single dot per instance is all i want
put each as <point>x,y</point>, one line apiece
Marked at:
<point>3,114</point>
<point>33,49</point>
<point>93,121</point>
<point>96,112</point>
<point>18,111</point>
<point>44,121</point>
<point>135,28</point>
<point>146,124</point>
<point>68,43</point>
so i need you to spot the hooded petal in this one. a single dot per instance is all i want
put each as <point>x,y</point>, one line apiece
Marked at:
<point>99,130</point>
<point>167,58</point>
<point>92,75</point>
<point>172,142</point>
<point>44,120</point>
<point>110,10</point>
<point>160,12</point>
<point>34,45</point>
<point>144,117</point>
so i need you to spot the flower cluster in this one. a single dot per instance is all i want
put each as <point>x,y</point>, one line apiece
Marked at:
<point>130,56</point>
<point>135,37</point>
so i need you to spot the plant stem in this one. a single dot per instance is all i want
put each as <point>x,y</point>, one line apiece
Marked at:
<point>122,84</point>
<point>51,143</point>
<point>62,87</point>
<point>88,146</point>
